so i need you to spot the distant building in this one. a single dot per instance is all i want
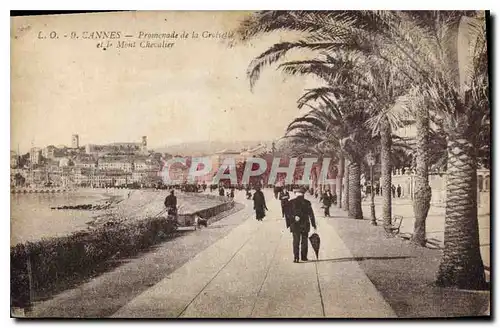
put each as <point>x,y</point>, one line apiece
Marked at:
<point>146,164</point>
<point>257,151</point>
<point>75,141</point>
<point>48,152</point>
<point>219,157</point>
<point>118,148</point>
<point>35,155</point>
<point>64,162</point>
<point>38,177</point>
<point>81,177</point>
<point>85,163</point>
<point>145,177</point>
<point>115,163</point>
<point>14,159</point>
<point>144,144</point>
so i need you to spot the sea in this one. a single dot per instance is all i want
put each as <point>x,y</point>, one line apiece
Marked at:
<point>32,218</point>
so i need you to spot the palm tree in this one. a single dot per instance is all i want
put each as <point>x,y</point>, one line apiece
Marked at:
<point>454,84</point>
<point>422,191</point>
<point>330,122</point>
<point>464,108</point>
<point>422,45</point>
<point>371,81</point>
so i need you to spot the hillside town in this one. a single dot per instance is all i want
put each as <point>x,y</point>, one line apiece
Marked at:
<point>119,164</point>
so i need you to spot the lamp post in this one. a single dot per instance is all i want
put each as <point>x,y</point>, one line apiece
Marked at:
<point>371,161</point>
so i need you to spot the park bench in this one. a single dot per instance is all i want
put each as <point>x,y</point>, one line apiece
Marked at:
<point>396,224</point>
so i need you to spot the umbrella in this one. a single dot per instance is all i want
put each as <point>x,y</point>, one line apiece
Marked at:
<point>315,241</point>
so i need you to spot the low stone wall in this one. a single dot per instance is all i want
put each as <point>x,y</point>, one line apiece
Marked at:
<point>215,210</point>
<point>210,196</point>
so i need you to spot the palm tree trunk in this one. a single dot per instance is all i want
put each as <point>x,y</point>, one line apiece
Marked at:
<point>314,178</point>
<point>355,210</point>
<point>422,193</point>
<point>339,179</point>
<point>461,265</point>
<point>385,160</point>
<point>346,185</point>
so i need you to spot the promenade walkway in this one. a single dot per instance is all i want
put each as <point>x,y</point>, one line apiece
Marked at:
<point>241,268</point>
<point>250,273</point>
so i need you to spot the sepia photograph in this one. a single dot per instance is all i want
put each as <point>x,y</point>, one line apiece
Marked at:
<point>327,164</point>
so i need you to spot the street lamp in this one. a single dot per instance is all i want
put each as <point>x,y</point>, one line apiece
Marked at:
<point>370,158</point>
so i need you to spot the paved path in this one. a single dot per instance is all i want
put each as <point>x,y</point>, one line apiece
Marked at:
<point>250,273</point>
<point>106,293</point>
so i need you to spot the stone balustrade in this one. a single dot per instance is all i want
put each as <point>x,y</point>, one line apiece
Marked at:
<point>437,180</point>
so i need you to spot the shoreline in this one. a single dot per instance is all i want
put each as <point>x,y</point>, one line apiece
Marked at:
<point>125,205</point>
<point>84,254</point>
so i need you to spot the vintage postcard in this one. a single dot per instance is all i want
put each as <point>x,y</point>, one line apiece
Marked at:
<point>234,164</point>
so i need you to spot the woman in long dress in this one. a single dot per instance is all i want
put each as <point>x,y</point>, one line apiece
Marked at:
<point>259,204</point>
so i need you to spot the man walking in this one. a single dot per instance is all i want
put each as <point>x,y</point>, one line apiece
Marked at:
<point>398,191</point>
<point>259,204</point>
<point>326,198</point>
<point>276,190</point>
<point>284,198</point>
<point>299,221</point>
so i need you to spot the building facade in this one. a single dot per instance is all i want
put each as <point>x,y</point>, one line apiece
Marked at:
<point>115,163</point>
<point>35,156</point>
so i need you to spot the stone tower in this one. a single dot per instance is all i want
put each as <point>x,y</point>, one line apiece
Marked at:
<point>75,141</point>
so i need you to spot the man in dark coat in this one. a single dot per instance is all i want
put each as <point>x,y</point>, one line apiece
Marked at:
<point>171,203</point>
<point>221,191</point>
<point>248,193</point>
<point>284,198</point>
<point>300,220</point>
<point>398,190</point>
<point>327,199</point>
<point>259,204</point>
<point>276,190</point>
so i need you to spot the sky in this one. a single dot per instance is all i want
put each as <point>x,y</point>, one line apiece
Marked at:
<point>195,91</point>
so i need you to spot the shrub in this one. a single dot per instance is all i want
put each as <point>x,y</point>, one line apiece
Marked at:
<point>56,259</point>
<point>53,261</point>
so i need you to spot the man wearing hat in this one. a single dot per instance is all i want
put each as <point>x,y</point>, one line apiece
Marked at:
<point>299,221</point>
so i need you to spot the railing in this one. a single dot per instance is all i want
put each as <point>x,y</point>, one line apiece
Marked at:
<point>40,190</point>
<point>437,181</point>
